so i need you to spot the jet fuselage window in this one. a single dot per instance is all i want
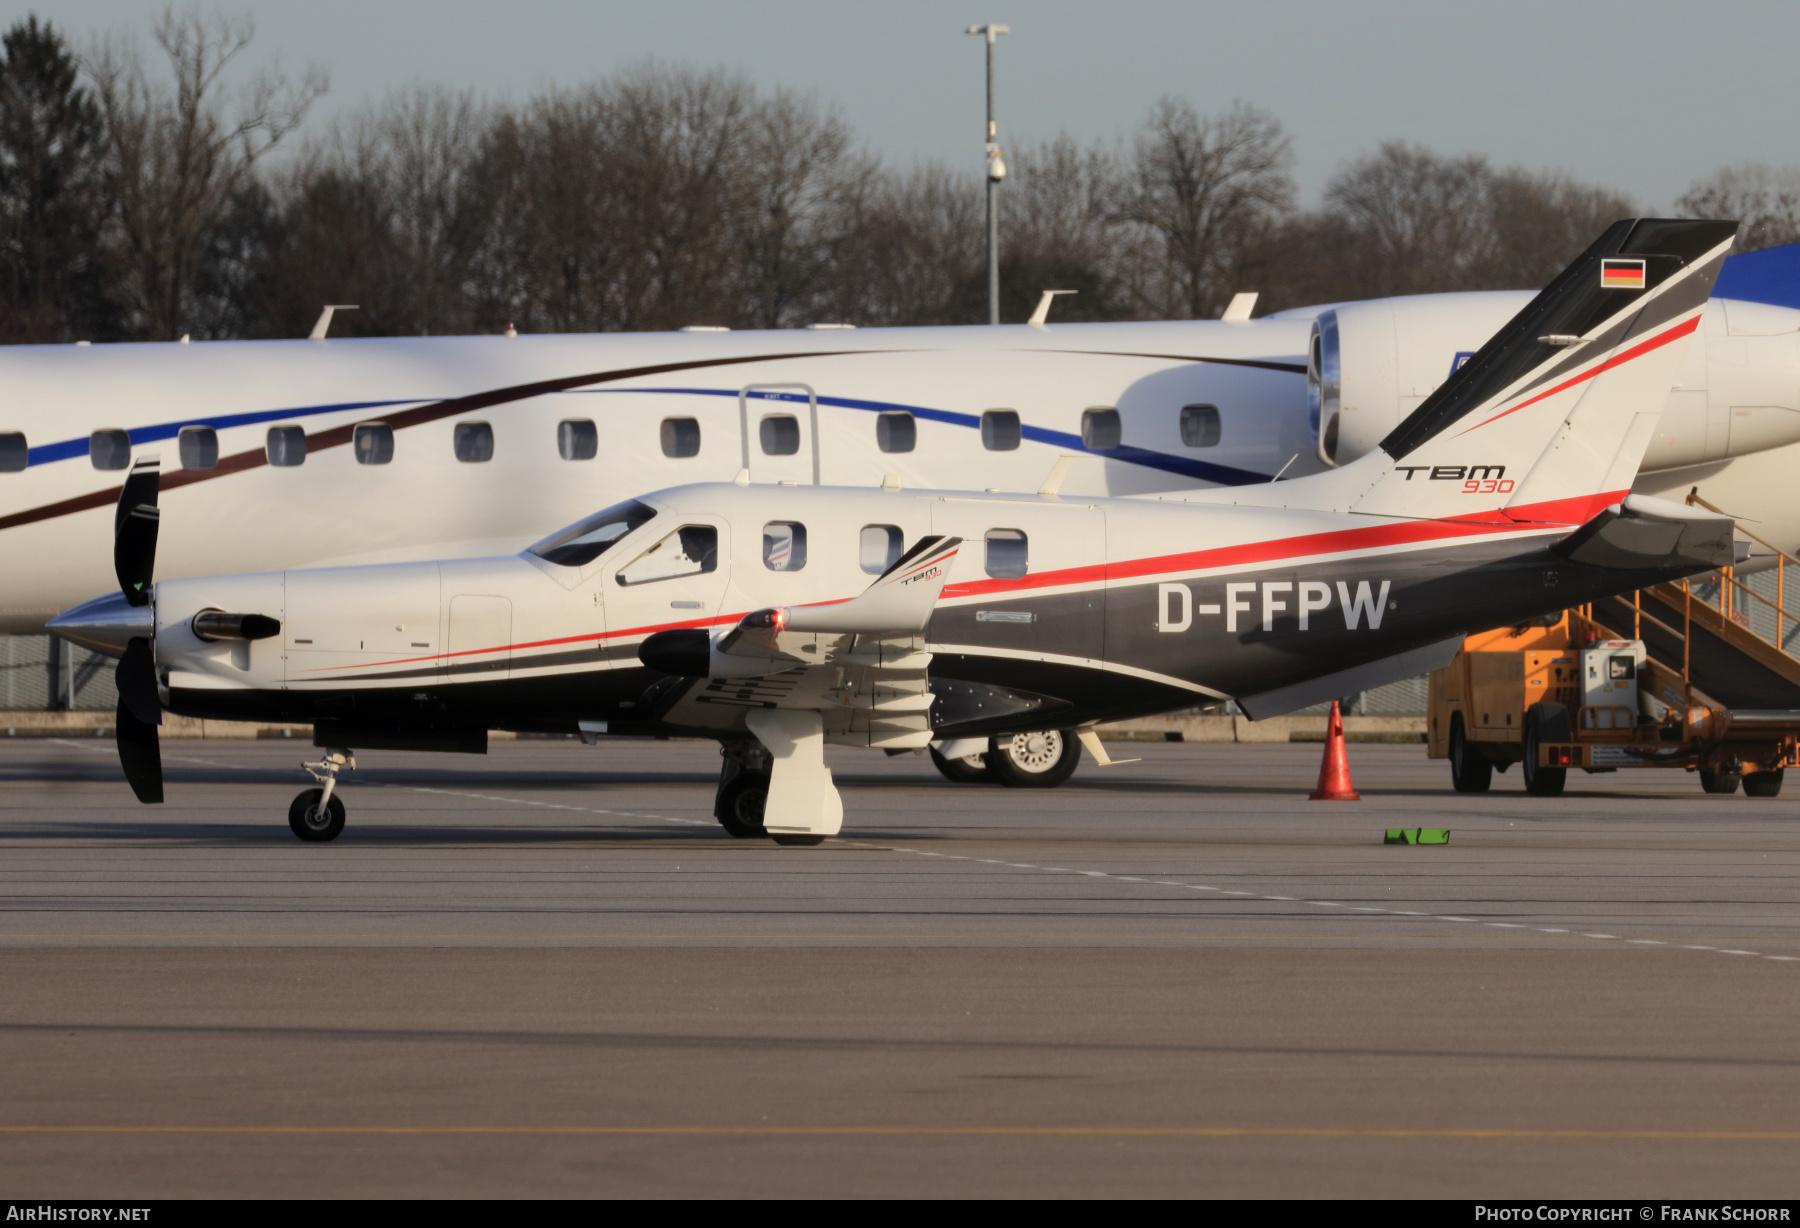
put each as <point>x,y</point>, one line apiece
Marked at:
<point>577,439</point>
<point>681,438</point>
<point>474,442</point>
<point>1007,552</point>
<point>881,547</point>
<point>286,446</point>
<point>691,550</point>
<point>373,443</point>
<point>586,540</point>
<point>199,447</point>
<point>14,455</point>
<point>784,546</point>
<point>1000,430</point>
<point>1200,426</point>
<point>1100,429</point>
<point>110,449</point>
<point>896,432</point>
<point>780,434</point>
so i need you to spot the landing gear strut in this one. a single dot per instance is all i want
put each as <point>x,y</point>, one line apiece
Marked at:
<point>316,815</point>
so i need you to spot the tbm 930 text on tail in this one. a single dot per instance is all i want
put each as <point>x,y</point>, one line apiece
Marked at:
<point>747,613</point>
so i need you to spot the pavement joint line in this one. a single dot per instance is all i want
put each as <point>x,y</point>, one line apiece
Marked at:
<point>1064,1131</point>
<point>663,818</point>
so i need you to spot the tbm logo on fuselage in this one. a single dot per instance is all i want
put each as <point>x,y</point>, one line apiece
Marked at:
<point>1176,607</point>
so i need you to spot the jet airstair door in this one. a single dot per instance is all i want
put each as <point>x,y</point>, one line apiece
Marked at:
<point>779,425</point>
<point>478,647</point>
<point>678,579</point>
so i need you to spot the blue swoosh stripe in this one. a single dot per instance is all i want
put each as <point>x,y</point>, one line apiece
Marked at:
<point>67,448</point>
<point>1205,471</point>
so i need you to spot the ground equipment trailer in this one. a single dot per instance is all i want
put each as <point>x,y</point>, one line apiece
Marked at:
<point>1575,694</point>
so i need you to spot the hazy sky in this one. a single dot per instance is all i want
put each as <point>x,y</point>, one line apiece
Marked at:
<point>1641,96</point>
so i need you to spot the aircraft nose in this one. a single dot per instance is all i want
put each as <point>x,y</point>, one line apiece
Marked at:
<point>105,624</point>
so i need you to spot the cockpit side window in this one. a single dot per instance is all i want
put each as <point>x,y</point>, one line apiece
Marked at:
<point>586,540</point>
<point>691,550</point>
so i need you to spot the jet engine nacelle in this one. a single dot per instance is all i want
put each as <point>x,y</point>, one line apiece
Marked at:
<point>1371,364</point>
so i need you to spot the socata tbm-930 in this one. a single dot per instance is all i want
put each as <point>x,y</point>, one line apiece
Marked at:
<point>733,610</point>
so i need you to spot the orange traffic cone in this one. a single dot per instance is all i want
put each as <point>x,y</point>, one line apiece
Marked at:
<point>1334,769</point>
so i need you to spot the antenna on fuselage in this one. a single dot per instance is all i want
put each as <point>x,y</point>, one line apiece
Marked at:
<point>324,323</point>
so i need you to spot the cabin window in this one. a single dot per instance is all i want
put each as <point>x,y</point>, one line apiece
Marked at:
<point>373,443</point>
<point>577,439</point>
<point>1006,553</point>
<point>784,546</point>
<point>586,540</point>
<point>681,438</point>
<point>1000,430</point>
<point>691,550</point>
<point>896,432</point>
<point>199,447</point>
<point>1200,426</point>
<point>14,455</point>
<point>287,446</point>
<point>780,435</point>
<point>474,442</point>
<point>881,547</point>
<point>1100,429</point>
<point>110,449</point>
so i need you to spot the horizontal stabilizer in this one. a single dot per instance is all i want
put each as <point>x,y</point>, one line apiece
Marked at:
<point>1642,532</point>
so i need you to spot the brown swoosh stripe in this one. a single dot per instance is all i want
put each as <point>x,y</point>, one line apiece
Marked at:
<point>340,435</point>
<point>1261,364</point>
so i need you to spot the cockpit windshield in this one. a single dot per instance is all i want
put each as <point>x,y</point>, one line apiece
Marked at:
<point>586,540</point>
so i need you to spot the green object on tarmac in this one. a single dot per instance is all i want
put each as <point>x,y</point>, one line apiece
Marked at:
<point>1417,835</point>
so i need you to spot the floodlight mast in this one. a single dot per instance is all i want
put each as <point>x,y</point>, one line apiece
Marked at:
<point>996,171</point>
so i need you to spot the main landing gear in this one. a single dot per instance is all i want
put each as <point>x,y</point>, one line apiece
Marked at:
<point>317,815</point>
<point>1038,760</point>
<point>776,784</point>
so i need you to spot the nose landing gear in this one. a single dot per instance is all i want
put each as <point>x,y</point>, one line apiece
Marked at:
<point>316,815</point>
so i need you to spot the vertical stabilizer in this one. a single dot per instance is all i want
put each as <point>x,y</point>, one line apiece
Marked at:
<point>1549,421</point>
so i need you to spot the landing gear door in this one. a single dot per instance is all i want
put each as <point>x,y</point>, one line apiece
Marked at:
<point>677,579</point>
<point>779,426</point>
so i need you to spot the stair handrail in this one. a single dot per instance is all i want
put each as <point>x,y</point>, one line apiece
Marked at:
<point>1729,581</point>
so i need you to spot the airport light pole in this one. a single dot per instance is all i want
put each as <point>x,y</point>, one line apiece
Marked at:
<point>996,171</point>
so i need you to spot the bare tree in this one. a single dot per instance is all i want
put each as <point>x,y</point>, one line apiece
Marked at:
<point>1417,221</point>
<point>1206,188</point>
<point>1766,199</point>
<point>178,152</point>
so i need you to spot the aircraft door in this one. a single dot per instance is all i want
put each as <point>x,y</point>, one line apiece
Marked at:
<point>678,577</point>
<point>479,645</point>
<point>1039,570</point>
<point>779,426</point>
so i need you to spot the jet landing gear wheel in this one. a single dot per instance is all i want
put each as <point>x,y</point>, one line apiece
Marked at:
<point>964,770</point>
<point>739,804</point>
<point>1034,760</point>
<point>315,819</point>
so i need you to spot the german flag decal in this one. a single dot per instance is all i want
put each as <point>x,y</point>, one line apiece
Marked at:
<point>1621,274</point>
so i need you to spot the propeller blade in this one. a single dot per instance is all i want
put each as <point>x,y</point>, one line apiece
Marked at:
<point>134,530</point>
<point>140,712</point>
<point>136,679</point>
<point>140,755</point>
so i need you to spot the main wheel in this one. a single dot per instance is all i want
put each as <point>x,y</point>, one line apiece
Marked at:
<point>1763,784</point>
<point>740,802</point>
<point>1470,770</point>
<point>966,770</point>
<point>1544,722</point>
<point>312,822</point>
<point>1034,760</point>
<point>1725,782</point>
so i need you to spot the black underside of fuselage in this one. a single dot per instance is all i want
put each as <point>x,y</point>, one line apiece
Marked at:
<point>998,676</point>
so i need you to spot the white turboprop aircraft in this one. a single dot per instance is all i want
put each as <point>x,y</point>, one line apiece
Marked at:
<point>733,611</point>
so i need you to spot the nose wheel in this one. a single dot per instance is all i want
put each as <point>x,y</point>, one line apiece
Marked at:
<point>317,815</point>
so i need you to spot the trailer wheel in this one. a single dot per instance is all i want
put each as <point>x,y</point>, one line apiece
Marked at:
<point>1725,783</point>
<point>1470,770</point>
<point>1763,784</point>
<point>1545,722</point>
